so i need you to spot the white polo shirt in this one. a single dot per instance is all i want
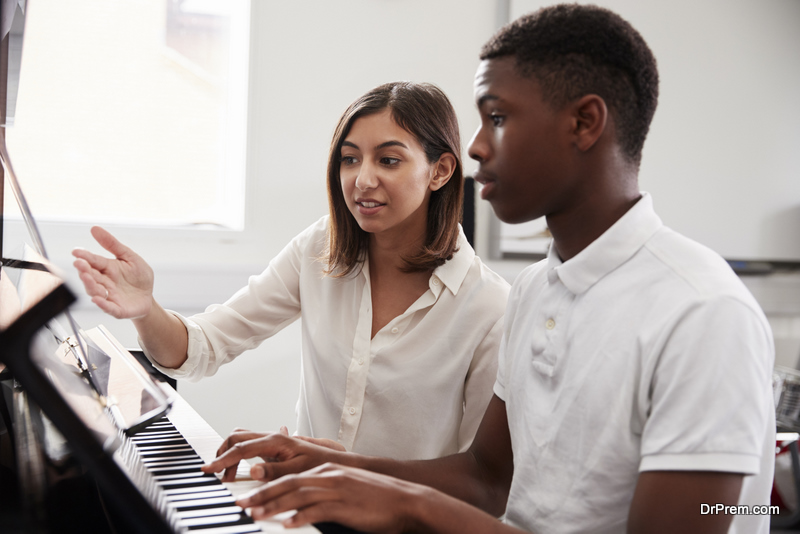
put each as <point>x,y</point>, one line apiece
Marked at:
<point>416,390</point>
<point>643,352</point>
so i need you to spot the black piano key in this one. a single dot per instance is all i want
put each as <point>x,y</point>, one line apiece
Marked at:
<point>225,521</point>
<point>220,502</point>
<point>198,500</point>
<point>178,484</point>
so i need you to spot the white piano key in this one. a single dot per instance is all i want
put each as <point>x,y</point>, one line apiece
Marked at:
<point>182,478</point>
<point>203,502</point>
<point>207,495</point>
<point>150,460</point>
<point>245,529</point>
<point>197,489</point>
<point>210,520</point>
<point>187,514</point>
<point>153,465</point>
<point>162,447</point>
<point>185,470</point>
<point>153,435</point>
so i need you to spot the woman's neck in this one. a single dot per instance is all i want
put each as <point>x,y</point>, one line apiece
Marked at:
<point>386,252</point>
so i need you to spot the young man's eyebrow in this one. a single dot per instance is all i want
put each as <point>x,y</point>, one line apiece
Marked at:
<point>486,98</point>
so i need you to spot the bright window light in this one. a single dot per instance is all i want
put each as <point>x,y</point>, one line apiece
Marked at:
<point>134,111</point>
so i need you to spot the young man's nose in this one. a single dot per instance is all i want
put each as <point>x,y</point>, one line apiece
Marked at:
<point>477,148</point>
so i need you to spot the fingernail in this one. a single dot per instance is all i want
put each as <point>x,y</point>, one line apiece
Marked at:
<point>257,472</point>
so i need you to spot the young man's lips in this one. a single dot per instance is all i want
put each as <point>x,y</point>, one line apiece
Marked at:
<point>487,188</point>
<point>487,184</point>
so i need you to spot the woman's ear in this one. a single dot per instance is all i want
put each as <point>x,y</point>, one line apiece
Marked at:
<point>589,120</point>
<point>442,171</point>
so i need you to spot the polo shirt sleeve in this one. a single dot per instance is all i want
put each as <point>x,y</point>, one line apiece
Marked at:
<point>711,391</point>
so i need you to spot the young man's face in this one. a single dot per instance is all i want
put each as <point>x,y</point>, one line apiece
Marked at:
<point>521,145</point>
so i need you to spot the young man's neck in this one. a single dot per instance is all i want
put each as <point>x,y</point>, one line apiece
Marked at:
<point>615,191</point>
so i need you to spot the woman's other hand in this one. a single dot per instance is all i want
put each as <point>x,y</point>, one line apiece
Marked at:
<point>122,286</point>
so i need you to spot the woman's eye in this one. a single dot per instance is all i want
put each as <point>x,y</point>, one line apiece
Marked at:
<point>347,160</point>
<point>497,120</point>
<point>390,161</point>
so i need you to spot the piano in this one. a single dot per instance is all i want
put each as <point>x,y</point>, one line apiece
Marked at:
<point>89,441</point>
<point>81,407</point>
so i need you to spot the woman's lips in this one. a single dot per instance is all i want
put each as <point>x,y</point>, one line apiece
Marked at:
<point>369,207</point>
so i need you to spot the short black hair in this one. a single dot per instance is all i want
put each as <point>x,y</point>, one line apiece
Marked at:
<point>573,50</point>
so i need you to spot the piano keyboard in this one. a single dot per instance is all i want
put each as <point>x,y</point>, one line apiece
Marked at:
<point>164,461</point>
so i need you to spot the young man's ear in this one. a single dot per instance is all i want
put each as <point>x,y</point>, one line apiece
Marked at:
<point>589,120</point>
<point>442,171</point>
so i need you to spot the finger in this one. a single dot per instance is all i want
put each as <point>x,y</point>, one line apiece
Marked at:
<point>91,260</point>
<point>96,283</point>
<point>269,471</point>
<point>238,436</point>
<point>323,442</point>
<point>327,511</point>
<point>284,431</point>
<point>305,498</point>
<point>111,243</point>
<point>285,494</point>
<point>235,448</point>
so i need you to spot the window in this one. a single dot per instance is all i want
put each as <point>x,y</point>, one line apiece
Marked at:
<point>134,112</point>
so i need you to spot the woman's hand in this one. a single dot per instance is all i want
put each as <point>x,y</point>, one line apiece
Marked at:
<point>122,286</point>
<point>281,453</point>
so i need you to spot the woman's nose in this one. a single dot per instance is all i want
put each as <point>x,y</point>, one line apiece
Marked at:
<point>367,178</point>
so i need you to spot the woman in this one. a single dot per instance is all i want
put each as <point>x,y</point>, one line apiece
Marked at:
<point>401,322</point>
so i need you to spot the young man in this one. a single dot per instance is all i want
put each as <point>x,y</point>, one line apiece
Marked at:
<point>634,383</point>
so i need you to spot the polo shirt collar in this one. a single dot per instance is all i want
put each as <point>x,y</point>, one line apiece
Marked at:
<point>453,272</point>
<point>613,248</point>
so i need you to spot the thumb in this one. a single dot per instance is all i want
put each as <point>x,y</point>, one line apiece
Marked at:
<point>284,431</point>
<point>269,471</point>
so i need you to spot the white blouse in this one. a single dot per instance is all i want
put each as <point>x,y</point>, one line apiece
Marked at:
<point>417,390</point>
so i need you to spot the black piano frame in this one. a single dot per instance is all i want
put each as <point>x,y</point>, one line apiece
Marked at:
<point>119,492</point>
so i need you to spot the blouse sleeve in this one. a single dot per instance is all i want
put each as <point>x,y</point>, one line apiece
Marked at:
<point>268,303</point>
<point>478,386</point>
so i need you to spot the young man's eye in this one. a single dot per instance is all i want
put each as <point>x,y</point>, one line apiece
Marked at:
<point>497,120</point>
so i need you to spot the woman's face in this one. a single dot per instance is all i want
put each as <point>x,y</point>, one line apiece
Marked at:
<point>386,178</point>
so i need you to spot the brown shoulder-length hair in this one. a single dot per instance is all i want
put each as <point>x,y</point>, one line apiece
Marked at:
<point>423,110</point>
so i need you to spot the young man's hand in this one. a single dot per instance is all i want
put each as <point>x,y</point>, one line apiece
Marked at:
<point>281,453</point>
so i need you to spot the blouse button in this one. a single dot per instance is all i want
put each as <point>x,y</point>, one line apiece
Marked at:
<point>395,330</point>
<point>550,324</point>
<point>436,281</point>
<point>361,361</point>
<point>352,411</point>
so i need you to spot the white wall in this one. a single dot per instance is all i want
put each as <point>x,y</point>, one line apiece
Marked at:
<point>722,159</point>
<point>309,60</point>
